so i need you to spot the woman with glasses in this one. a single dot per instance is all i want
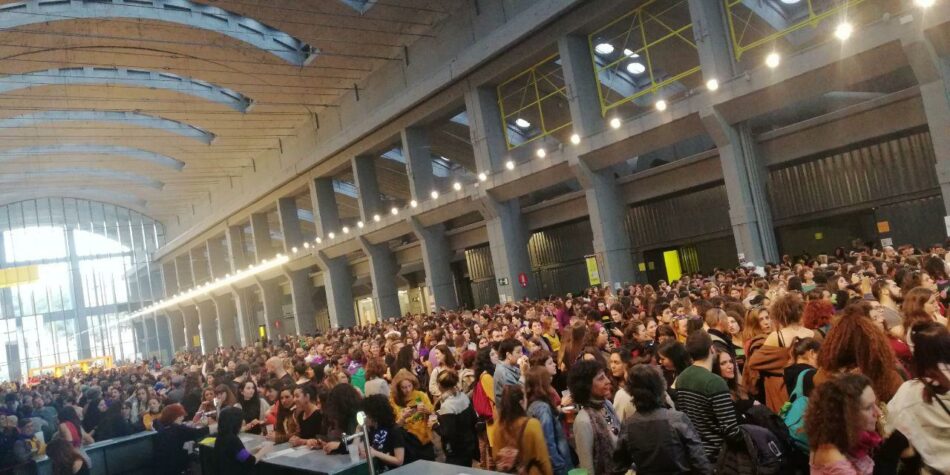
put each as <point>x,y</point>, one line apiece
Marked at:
<point>596,425</point>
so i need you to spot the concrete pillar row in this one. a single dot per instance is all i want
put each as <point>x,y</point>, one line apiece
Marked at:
<point>383,271</point>
<point>367,187</point>
<point>242,326</point>
<point>436,258</point>
<point>273,310</point>
<point>301,291</point>
<point>163,332</point>
<point>189,314</point>
<point>744,171</point>
<point>605,203</point>
<point>337,276</point>
<point>208,319</point>
<point>289,223</point>
<point>932,72</point>
<point>227,319</point>
<point>260,231</point>
<point>176,330</point>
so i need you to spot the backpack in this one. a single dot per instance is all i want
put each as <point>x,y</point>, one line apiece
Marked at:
<point>761,416</point>
<point>509,456</point>
<point>793,413</point>
<point>760,453</point>
<point>482,404</point>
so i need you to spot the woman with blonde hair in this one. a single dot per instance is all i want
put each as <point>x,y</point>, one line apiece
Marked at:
<point>412,409</point>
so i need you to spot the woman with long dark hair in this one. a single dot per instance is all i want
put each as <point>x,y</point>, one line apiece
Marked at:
<point>343,402</point>
<point>517,430</point>
<point>482,391</point>
<point>386,438</point>
<point>920,410</point>
<point>444,360</point>
<point>541,407</point>
<point>254,408</point>
<point>673,359</point>
<point>66,459</point>
<point>70,428</point>
<point>230,455</point>
<point>285,426</point>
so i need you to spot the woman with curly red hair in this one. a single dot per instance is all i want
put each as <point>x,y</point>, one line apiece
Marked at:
<point>857,344</point>
<point>818,315</point>
<point>841,422</point>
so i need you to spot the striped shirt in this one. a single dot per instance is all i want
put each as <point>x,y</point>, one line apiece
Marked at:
<point>704,397</point>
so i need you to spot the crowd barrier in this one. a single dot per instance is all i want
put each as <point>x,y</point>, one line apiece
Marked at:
<point>129,455</point>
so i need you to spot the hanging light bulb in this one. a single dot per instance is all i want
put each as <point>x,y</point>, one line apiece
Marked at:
<point>661,105</point>
<point>712,84</point>
<point>510,165</point>
<point>772,60</point>
<point>482,176</point>
<point>615,123</point>
<point>413,203</point>
<point>457,186</point>
<point>575,139</point>
<point>541,153</point>
<point>434,195</point>
<point>376,217</point>
<point>844,30</point>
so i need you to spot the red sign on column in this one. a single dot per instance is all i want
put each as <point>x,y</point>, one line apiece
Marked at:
<point>523,280</point>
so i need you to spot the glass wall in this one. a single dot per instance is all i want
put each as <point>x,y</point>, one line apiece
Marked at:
<point>73,270</point>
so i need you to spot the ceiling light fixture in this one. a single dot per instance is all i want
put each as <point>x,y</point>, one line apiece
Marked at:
<point>575,139</point>
<point>394,211</point>
<point>376,218</point>
<point>661,105</point>
<point>615,123</point>
<point>925,3</point>
<point>413,203</point>
<point>293,249</point>
<point>844,30</point>
<point>457,186</point>
<point>482,176</point>
<point>773,60</point>
<point>360,224</point>
<point>541,153</point>
<point>319,240</point>
<point>434,194</point>
<point>331,235</point>
<point>629,53</point>
<point>510,165</point>
<point>636,68</point>
<point>306,245</point>
<point>346,230</point>
<point>524,124</point>
<point>604,48</point>
<point>712,84</point>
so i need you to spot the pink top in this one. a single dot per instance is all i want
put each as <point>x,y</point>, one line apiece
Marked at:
<point>74,432</point>
<point>850,466</point>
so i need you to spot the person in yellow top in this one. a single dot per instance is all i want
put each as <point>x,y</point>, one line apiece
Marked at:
<point>485,362</point>
<point>412,409</point>
<point>153,413</point>
<point>517,430</point>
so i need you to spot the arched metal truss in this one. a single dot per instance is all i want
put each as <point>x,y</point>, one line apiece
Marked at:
<point>127,200</point>
<point>130,118</point>
<point>82,173</point>
<point>92,149</point>
<point>92,75</point>
<point>182,12</point>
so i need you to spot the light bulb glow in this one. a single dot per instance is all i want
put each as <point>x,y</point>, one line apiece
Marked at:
<point>604,48</point>
<point>394,211</point>
<point>293,249</point>
<point>331,235</point>
<point>844,30</point>
<point>661,105</point>
<point>712,84</point>
<point>510,165</point>
<point>524,124</point>
<point>482,176</point>
<point>925,3</point>
<point>457,186</point>
<point>413,203</point>
<point>319,240</point>
<point>629,53</point>
<point>575,139</point>
<point>306,245</point>
<point>360,224</point>
<point>377,217</point>
<point>636,68</point>
<point>773,60</point>
<point>541,153</point>
<point>346,230</point>
<point>615,123</point>
<point>434,195</point>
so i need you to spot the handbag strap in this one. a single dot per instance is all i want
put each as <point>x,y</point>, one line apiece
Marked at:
<point>937,398</point>
<point>521,442</point>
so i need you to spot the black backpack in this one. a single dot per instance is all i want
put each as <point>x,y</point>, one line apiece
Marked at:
<point>760,453</point>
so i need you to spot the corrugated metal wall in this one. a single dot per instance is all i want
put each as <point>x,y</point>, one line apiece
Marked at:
<point>481,273</point>
<point>889,169</point>
<point>695,214</point>
<point>557,257</point>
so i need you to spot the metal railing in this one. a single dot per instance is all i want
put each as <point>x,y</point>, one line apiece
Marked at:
<point>524,99</point>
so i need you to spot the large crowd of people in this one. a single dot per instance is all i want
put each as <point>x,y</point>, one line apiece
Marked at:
<point>833,364</point>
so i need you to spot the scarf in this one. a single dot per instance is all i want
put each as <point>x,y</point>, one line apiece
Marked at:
<point>867,441</point>
<point>603,446</point>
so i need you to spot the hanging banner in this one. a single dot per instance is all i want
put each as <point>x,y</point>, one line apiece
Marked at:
<point>593,271</point>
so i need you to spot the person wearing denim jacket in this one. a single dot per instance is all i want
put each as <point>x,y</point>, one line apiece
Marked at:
<point>554,436</point>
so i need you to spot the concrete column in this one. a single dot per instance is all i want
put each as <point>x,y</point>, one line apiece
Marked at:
<point>84,350</point>
<point>169,278</point>
<point>367,186</point>
<point>200,267</point>
<point>208,317</point>
<point>260,232</point>
<point>486,129</point>
<point>605,203</point>
<point>338,284</point>
<point>745,178</point>
<point>932,72</point>
<point>244,329</point>
<point>436,257</point>
<point>236,255</point>
<point>383,271</point>
<point>743,170</point>
<point>176,330</point>
<point>337,276</point>
<point>151,340</point>
<point>301,291</point>
<point>273,310</point>
<point>581,85</point>
<point>217,258</point>
<point>227,317</point>
<point>183,272</point>
<point>190,315</point>
<point>163,331</point>
<point>289,223</point>
<point>508,240</point>
<point>418,154</point>
<point>141,339</point>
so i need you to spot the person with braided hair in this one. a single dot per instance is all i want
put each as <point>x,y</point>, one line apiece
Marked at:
<point>857,345</point>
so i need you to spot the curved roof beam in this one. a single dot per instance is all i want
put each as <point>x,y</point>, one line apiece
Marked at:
<point>93,75</point>
<point>130,118</point>
<point>84,173</point>
<point>127,200</point>
<point>182,12</point>
<point>92,149</point>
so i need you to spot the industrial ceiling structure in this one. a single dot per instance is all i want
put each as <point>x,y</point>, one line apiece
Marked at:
<point>151,104</point>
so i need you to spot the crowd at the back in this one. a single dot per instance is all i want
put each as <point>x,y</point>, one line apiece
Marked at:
<point>836,364</point>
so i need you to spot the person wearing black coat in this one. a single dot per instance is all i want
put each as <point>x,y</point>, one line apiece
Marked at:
<point>456,422</point>
<point>172,434</point>
<point>112,424</point>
